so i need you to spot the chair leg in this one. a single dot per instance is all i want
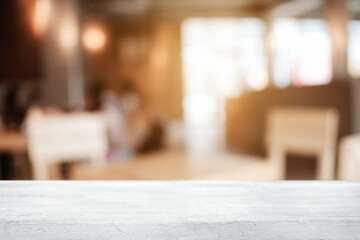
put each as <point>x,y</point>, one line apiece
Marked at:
<point>326,162</point>
<point>40,171</point>
<point>281,168</point>
<point>278,162</point>
<point>347,159</point>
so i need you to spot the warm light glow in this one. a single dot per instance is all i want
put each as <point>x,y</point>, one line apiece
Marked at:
<point>68,34</point>
<point>94,38</point>
<point>41,15</point>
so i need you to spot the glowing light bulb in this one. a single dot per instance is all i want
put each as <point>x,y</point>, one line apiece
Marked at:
<point>94,38</point>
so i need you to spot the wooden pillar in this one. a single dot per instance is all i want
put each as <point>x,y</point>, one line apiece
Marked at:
<point>63,72</point>
<point>337,15</point>
<point>268,20</point>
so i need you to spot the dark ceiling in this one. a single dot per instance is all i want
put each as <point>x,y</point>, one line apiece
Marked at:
<point>176,9</point>
<point>180,9</point>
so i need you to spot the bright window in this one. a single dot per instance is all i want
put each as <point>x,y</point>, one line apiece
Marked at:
<point>301,52</point>
<point>223,56</point>
<point>354,48</point>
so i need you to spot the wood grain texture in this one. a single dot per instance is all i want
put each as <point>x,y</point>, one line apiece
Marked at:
<point>179,210</point>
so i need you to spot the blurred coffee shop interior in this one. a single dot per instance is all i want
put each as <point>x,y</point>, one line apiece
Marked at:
<point>180,89</point>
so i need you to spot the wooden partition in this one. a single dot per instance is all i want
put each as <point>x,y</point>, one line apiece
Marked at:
<point>20,57</point>
<point>246,115</point>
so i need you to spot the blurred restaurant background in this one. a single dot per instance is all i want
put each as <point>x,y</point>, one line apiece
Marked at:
<point>180,89</point>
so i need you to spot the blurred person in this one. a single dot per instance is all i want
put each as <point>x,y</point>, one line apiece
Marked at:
<point>147,131</point>
<point>154,137</point>
<point>17,100</point>
<point>13,113</point>
<point>130,130</point>
<point>93,97</point>
<point>121,140</point>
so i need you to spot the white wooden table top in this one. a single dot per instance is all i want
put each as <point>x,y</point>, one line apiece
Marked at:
<point>179,210</point>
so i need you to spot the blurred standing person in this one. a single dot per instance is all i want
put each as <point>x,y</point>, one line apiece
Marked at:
<point>129,129</point>
<point>121,143</point>
<point>13,114</point>
<point>120,139</point>
<point>17,100</point>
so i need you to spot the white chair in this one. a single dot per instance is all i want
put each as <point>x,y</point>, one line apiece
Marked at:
<point>304,131</point>
<point>64,137</point>
<point>349,158</point>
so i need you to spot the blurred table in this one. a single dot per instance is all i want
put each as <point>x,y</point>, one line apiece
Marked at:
<point>13,142</point>
<point>179,210</point>
<point>178,165</point>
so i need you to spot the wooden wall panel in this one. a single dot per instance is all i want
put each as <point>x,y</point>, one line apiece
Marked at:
<point>19,47</point>
<point>246,116</point>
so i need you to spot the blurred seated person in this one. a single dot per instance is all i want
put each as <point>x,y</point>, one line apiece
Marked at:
<point>129,128</point>
<point>15,103</point>
<point>13,113</point>
<point>11,119</point>
<point>154,139</point>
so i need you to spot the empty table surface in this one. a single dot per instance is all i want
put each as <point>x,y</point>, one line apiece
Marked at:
<point>179,210</point>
